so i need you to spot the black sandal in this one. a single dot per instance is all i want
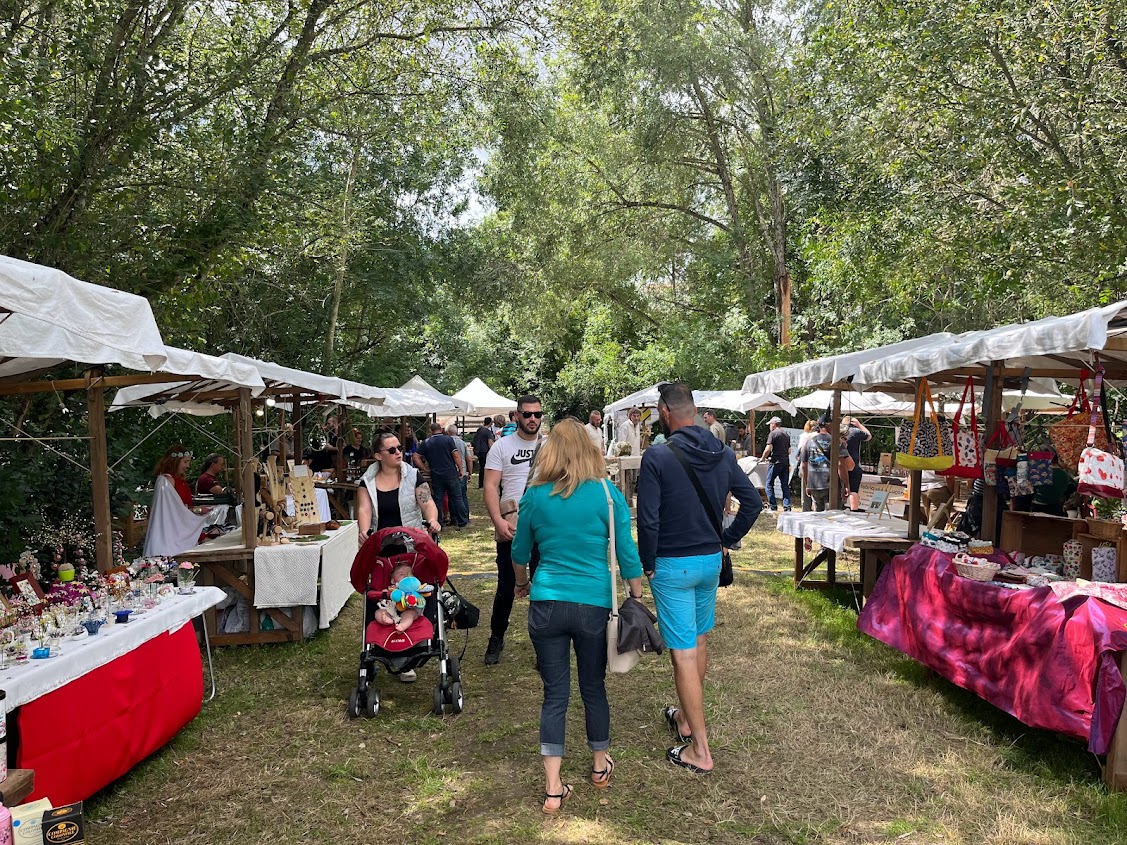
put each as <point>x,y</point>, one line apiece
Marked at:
<point>673,755</point>
<point>563,796</point>
<point>670,713</point>
<point>600,778</point>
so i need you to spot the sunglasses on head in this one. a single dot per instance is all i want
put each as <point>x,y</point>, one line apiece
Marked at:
<point>391,450</point>
<point>527,414</point>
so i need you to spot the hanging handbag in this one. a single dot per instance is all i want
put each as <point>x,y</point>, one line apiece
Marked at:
<point>1100,471</point>
<point>1040,468</point>
<point>1070,435</point>
<point>968,443</point>
<point>928,442</point>
<point>617,661</point>
<point>727,575</point>
<point>1020,484</point>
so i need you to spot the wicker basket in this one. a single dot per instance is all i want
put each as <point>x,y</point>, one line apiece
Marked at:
<point>977,572</point>
<point>1105,529</point>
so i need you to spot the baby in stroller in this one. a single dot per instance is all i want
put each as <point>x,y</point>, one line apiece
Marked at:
<point>399,572</point>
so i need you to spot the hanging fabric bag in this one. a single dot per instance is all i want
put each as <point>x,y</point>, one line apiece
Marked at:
<point>1070,435</point>
<point>968,443</point>
<point>928,442</point>
<point>1100,471</point>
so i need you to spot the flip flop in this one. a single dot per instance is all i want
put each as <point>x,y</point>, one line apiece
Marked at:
<point>563,796</point>
<point>600,778</point>
<point>670,713</point>
<point>673,755</point>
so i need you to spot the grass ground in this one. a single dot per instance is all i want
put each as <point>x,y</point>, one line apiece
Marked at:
<point>820,734</point>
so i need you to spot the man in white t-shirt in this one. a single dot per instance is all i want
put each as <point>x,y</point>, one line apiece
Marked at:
<point>506,474</point>
<point>594,429</point>
<point>631,431</point>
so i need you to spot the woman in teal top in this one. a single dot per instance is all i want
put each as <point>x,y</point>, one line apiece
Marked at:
<point>564,512</point>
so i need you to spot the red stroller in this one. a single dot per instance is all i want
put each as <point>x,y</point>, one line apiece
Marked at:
<point>403,651</point>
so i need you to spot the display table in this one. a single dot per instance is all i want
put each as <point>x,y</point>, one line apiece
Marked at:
<point>877,539</point>
<point>86,717</point>
<point>280,580</point>
<point>339,496</point>
<point>1050,663</point>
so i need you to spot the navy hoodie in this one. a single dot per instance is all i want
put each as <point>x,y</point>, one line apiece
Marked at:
<point>671,520</point>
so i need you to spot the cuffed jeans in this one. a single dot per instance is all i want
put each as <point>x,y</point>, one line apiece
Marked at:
<point>782,473</point>
<point>555,627</point>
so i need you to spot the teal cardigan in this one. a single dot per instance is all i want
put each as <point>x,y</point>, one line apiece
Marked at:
<point>572,534</point>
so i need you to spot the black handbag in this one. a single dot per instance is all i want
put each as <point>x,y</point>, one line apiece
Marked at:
<point>460,610</point>
<point>727,576</point>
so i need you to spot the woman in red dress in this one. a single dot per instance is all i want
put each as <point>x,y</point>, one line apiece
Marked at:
<point>175,465</point>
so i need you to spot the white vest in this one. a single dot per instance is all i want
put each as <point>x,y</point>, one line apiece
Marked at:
<point>410,515</point>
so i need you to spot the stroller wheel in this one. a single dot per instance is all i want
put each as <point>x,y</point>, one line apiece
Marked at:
<point>456,697</point>
<point>354,704</point>
<point>372,706</point>
<point>439,701</point>
<point>453,670</point>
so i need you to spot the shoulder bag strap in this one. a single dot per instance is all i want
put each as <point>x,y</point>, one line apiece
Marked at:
<point>612,554</point>
<point>705,503</point>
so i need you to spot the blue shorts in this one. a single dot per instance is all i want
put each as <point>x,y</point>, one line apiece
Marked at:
<point>684,591</point>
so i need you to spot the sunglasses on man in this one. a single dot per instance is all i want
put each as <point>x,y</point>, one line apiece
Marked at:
<point>528,414</point>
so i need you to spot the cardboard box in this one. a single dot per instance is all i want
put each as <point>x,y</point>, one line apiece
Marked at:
<point>63,826</point>
<point>27,822</point>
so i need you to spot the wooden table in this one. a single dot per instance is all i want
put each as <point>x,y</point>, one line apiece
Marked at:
<point>877,539</point>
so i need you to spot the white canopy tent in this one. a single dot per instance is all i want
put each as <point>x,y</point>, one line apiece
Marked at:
<point>485,401</point>
<point>729,400</point>
<point>52,318</point>
<point>417,398</point>
<point>1042,396</point>
<point>1057,347</point>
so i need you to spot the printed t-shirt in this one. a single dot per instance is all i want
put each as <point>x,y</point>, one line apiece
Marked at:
<point>512,456</point>
<point>815,453</point>
<point>779,441</point>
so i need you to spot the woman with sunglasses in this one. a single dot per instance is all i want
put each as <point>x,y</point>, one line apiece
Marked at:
<point>393,493</point>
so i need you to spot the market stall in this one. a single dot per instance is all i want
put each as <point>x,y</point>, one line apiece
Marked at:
<point>87,715</point>
<point>877,538</point>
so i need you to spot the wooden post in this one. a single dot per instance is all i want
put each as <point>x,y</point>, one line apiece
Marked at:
<point>992,407</point>
<point>751,428</point>
<point>246,469</point>
<point>915,502</point>
<point>99,469</point>
<point>298,436</point>
<point>835,439</point>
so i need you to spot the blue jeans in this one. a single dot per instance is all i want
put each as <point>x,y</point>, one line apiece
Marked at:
<point>449,485</point>
<point>781,472</point>
<point>555,627</point>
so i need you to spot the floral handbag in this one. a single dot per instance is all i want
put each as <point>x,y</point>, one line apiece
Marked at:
<point>928,443</point>
<point>968,443</point>
<point>1040,468</point>
<point>1070,435</point>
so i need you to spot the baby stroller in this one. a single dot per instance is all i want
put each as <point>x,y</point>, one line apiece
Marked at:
<point>403,651</point>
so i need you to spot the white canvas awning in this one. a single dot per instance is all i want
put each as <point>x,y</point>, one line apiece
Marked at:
<point>831,370</point>
<point>416,398</point>
<point>1057,345</point>
<point>326,388</point>
<point>53,318</point>
<point>485,401</point>
<point>1042,397</point>
<point>729,400</point>
<point>209,375</point>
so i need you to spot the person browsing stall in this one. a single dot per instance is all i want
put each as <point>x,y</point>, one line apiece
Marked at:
<point>777,453</point>
<point>854,433</point>
<point>565,513</point>
<point>506,474</point>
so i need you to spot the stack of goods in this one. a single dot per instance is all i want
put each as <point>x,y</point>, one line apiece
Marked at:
<point>951,542</point>
<point>980,548</point>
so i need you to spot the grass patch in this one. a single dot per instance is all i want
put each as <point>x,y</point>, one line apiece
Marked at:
<point>821,735</point>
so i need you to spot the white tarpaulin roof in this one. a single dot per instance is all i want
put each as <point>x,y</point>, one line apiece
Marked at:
<point>416,398</point>
<point>55,318</point>
<point>1042,396</point>
<point>730,400</point>
<point>330,388</point>
<point>176,397</point>
<point>485,401</point>
<point>1041,345</point>
<point>833,369</point>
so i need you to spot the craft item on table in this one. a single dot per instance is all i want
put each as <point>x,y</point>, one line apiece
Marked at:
<point>1012,574</point>
<point>1111,593</point>
<point>975,568</point>
<point>1104,564</point>
<point>1105,529</point>
<point>950,542</point>
<point>332,525</point>
<point>981,548</point>
<point>1054,563</point>
<point>305,508</point>
<point>311,528</point>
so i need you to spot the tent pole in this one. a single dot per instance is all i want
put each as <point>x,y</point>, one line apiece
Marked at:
<point>751,428</point>
<point>835,437</point>
<point>99,468</point>
<point>992,406</point>
<point>246,470</point>
<point>298,434</point>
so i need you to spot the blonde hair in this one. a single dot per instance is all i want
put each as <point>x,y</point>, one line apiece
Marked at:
<point>567,459</point>
<point>810,426</point>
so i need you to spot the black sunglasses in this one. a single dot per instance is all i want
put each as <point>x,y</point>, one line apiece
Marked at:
<point>391,450</point>
<point>527,414</point>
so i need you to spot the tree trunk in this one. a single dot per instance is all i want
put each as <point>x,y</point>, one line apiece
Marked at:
<point>342,256</point>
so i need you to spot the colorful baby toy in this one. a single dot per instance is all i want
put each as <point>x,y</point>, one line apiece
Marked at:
<point>410,594</point>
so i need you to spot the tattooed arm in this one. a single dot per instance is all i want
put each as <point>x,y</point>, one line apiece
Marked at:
<point>428,507</point>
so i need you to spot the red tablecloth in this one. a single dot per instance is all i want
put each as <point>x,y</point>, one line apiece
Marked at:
<point>1049,663</point>
<point>85,735</point>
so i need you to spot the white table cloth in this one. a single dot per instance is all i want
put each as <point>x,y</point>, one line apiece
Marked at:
<point>287,575</point>
<point>324,512</point>
<point>81,655</point>
<point>834,529</point>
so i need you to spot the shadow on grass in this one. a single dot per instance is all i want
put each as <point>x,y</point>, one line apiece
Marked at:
<point>1046,754</point>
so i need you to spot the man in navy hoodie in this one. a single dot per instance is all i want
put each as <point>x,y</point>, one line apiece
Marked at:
<point>681,554</point>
